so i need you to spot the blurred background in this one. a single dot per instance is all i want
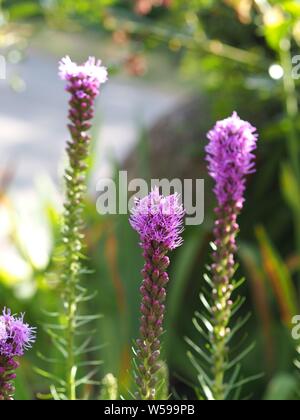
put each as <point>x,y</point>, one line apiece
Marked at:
<point>175,68</point>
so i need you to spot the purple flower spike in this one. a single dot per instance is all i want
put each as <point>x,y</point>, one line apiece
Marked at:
<point>159,222</point>
<point>83,83</point>
<point>230,157</point>
<point>91,72</point>
<point>160,219</point>
<point>15,337</point>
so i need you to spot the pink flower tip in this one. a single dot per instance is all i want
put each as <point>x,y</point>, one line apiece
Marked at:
<point>91,69</point>
<point>230,157</point>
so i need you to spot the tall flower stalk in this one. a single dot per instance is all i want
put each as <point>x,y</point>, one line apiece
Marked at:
<point>15,338</point>
<point>83,83</point>
<point>159,222</point>
<point>230,159</point>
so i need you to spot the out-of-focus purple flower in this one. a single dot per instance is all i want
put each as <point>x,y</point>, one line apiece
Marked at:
<point>160,219</point>
<point>230,157</point>
<point>16,336</point>
<point>92,71</point>
<point>83,83</point>
<point>159,222</point>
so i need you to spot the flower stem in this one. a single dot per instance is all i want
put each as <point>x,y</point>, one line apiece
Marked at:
<point>292,108</point>
<point>75,178</point>
<point>152,309</point>
<point>159,222</point>
<point>223,270</point>
<point>83,83</point>
<point>7,368</point>
<point>291,103</point>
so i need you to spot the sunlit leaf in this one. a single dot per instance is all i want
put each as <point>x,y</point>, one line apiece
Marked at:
<point>282,387</point>
<point>279,277</point>
<point>290,188</point>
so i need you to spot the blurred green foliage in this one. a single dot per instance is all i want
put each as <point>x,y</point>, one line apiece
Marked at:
<point>225,49</point>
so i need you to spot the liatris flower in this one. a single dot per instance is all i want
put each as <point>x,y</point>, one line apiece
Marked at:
<point>159,222</point>
<point>230,159</point>
<point>83,82</point>
<point>15,337</point>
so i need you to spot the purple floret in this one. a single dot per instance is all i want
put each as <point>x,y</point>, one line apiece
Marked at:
<point>16,336</point>
<point>159,222</point>
<point>91,70</point>
<point>160,219</point>
<point>230,158</point>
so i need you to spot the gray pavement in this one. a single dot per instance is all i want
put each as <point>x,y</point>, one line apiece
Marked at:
<point>33,124</point>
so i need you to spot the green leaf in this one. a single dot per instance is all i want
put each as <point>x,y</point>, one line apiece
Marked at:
<point>276,27</point>
<point>283,387</point>
<point>26,9</point>
<point>180,275</point>
<point>241,356</point>
<point>290,188</point>
<point>49,375</point>
<point>279,277</point>
<point>198,350</point>
<point>292,7</point>
<point>163,381</point>
<point>22,388</point>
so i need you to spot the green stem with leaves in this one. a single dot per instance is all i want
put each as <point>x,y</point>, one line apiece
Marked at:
<point>83,83</point>
<point>292,110</point>
<point>223,271</point>
<point>75,178</point>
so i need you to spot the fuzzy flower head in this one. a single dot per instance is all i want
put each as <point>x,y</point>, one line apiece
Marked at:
<point>83,80</point>
<point>91,70</point>
<point>15,335</point>
<point>159,219</point>
<point>230,158</point>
